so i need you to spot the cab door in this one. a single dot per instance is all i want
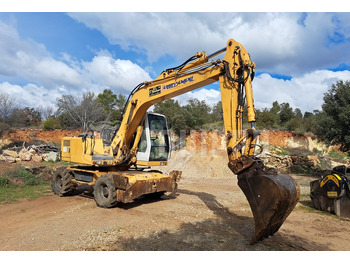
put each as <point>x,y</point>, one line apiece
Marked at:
<point>154,145</point>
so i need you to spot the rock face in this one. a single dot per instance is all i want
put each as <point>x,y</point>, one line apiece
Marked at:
<point>28,135</point>
<point>285,151</point>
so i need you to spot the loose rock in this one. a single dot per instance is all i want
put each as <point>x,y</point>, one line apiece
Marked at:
<point>10,153</point>
<point>52,156</point>
<point>25,155</point>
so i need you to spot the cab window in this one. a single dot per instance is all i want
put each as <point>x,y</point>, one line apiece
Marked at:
<point>159,138</point>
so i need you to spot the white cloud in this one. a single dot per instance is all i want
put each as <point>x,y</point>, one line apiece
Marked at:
<point>30,60</point>
<point>31,95</point>
<point>305,91</point>
<point>154,33</point>
<point>120,75</point>
<point>284,43</point>
<point>49,78</point>
<point>210,96</point>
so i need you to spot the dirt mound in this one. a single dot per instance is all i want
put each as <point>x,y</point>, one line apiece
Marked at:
<point>200,164</point>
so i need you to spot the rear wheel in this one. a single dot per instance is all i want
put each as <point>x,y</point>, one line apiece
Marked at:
<point>62,182</point>
<point>105,192</point>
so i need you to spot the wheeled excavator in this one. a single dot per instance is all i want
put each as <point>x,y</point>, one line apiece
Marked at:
<point>121,171</point>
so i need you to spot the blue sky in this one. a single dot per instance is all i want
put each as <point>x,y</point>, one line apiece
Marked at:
<point>298,55</point>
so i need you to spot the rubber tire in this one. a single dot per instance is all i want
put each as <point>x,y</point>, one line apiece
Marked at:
<point>105,193</point>
<point>62,184</point>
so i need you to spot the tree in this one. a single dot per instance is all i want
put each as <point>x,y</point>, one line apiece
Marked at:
<point>265,118</point>
<point>285,113</point>
<point>332,123</point>
<point>112,104</point>
<point>298,113</point>
<point>7,105</point>
<point>308,114</point>
<point>83,111</point>
<point>268,118</point>
<point>25,117</point>
<point>275,108</point>
<point>217,114</point>
<point>196,114</point>
<point>47,112</point>
<point>174,114</point>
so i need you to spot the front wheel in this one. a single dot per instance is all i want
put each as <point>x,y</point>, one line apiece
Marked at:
<point>62,182</point>
<point>105,192</point>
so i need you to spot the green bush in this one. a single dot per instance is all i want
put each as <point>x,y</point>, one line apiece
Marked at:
<point>22,173</point>
<point>4,181</point>
<point>28,178</point>
<point>49,124</point>
<point>338,154</point>
<point>20,183</point>
<point>32,181</point>
<point>299,169</point>
<point>280,151</point>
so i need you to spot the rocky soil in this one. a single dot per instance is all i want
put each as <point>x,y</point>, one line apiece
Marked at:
<point>209,212</point>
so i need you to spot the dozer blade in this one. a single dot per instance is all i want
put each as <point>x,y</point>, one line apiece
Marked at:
<point>271,196</point>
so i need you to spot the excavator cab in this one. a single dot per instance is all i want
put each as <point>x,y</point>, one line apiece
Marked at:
<point>154,145</point>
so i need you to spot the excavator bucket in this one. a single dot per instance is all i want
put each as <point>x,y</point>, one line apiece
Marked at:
<point>271,196</point>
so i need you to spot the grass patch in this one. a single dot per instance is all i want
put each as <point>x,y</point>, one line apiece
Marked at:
<point>301,169</point>
<point>22,176</point>
<point>307,206</point>
<point>320,212</point>
<point>12,193</point>
<point>20,183</point>
<point>338,155</point>
<point>280,151</point>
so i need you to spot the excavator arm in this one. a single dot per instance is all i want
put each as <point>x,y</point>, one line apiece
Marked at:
<point>234,73</point>
<point>271,196</point>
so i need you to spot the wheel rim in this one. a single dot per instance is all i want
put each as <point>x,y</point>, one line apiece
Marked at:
<point>105,192</point>
<point>59,182</point>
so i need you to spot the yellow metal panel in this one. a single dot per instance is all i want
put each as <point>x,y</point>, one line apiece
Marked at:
<point>79,150</point>
<point>65,149</point>
<point>152,163</point>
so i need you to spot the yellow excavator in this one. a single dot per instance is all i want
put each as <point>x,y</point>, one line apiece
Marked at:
<point>120,170</point>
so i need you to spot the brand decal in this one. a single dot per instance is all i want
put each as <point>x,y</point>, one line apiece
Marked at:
<point>154,91</point>
<point>177,83</point>
<point>330,177</point>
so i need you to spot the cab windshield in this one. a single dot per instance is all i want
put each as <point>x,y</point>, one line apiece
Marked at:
<point>159,138</point>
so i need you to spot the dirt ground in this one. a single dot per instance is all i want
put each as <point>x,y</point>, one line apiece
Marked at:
<point>209,212</point>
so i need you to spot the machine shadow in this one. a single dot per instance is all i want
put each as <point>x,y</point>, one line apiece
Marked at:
<point>87,191</point>
<point>227,232</point>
